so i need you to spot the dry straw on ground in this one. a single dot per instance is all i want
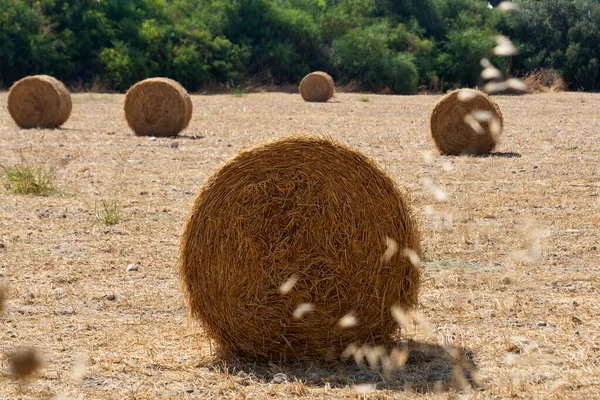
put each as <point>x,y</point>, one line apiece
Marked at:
<point>545,80</point>
<point>317,86</point>
<point>465,121</point>
<point>157,107</point>
<point>39,101</point>
<point>65,299</point>
<point>309,210</point>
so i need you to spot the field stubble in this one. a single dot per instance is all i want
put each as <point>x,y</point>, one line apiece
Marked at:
<point>511,259</point>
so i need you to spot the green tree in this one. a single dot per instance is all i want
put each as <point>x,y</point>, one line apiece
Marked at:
<point>342,16</point>
<point>79,28</point>
<point>562,35</point>
<point>459,63</point>
<point>283,43</point>
<point>156,38</point>
<point>425,12</point>
<point>364,55</point>
<point>26,44</point>
<point>396,44</point>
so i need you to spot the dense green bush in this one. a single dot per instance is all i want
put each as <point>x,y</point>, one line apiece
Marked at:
<point>283,42</point>
<point>364,55</point>
<point>460,61</point>
<point>562,35</point>
<point>400,45</point>
<point>24,47</point>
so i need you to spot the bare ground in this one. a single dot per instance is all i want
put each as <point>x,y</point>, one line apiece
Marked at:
<point>512,266</point>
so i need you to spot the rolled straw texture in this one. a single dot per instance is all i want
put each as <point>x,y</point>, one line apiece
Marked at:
<point>39,101</point>
<point>452,135</point>
<point>157,107</point>
<point>299,208</point>
<point>317,87</point>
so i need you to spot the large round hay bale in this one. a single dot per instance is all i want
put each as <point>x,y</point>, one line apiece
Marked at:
<point>157,107</point>
<point>303,210</point>
<point>39,101</point>
<point>466,121</point>
<point>317,86</point>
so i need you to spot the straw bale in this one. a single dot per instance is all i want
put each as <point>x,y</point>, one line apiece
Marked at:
<point>157,107</point>
<point>453,135</point>
<point>288,238</point>
<point>317,86</point>
<point>39,101</point>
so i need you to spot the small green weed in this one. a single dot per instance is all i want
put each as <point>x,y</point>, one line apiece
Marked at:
<point>237,91</point>
<point>364,99</point>
<point>108,212</point>
<point>25,179</point>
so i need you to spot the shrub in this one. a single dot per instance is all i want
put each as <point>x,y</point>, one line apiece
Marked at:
<point>364,54</point>
<point>25,179</point>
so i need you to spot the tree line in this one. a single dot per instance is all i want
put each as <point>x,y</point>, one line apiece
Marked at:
<point>397,45</point>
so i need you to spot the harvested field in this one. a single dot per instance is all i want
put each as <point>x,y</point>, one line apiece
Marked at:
<point>511,269</point>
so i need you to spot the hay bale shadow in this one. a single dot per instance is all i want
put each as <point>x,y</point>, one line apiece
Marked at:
<point>496,154</point>
<point>190,137</point>
<point>430,368</point>
<point>499,154</point>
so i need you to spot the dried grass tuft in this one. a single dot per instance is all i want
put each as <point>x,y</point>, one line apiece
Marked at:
<point>39,101</point>
<point>313,210</point>
<point>545,80</point>
<point>456,126</point>
<point>157,107</point>
<point>317,86</point>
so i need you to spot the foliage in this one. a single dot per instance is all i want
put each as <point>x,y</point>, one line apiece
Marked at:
<point>365,55</point>
<point>237,91</point>
<point>24,46</point>
<point>399,45</point>
<point>562,35</point>
<point>282,42</point>
<point>460,62</point>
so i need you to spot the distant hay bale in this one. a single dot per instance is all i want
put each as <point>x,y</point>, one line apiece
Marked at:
<point>157,107</point>
<point>317,86</point>
<point>288,238</point>
<point>39,101</point>
<point>466,121</point>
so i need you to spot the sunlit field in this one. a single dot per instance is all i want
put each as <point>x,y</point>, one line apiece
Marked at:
<point>509,301</point>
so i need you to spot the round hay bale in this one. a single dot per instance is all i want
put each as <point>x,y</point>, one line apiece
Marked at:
<point>39,101</point>
<point>317,86</point>
<point>157,107</point>
<point>466,121</point>
<point>298,225</point>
